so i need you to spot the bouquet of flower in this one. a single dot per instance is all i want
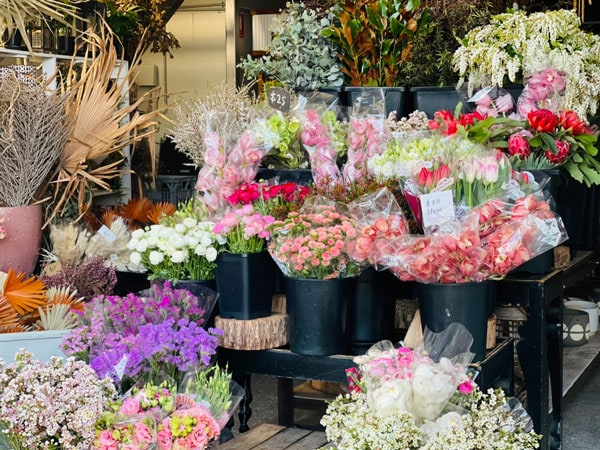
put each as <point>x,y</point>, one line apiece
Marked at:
<point>219,134</point>
<point>244,230</point>
<point>183,250</point>
<point>313,243</point>
<point>53,404</point>
<point>324,138</point>
<point>281,135</point>
<point>191,427</point>
<point>131,337</point>
<point>423,399</point>
<point>275,200</point>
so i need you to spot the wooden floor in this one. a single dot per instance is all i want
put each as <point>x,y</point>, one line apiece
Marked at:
<point>276,437</point>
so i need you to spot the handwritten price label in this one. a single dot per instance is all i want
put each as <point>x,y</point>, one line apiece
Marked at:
<point>279,99</point>
<point>436,207</point>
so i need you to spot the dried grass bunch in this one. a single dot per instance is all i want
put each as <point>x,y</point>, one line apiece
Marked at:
<point>226,110</point>
<point>33,133</point>
<point>14,15</point>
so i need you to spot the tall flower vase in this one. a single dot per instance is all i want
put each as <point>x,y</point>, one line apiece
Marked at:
<point>318,315</point>
<point>20,248</point>
<point>245,283</point>
<point>466,303</point>
<point>372,310</point>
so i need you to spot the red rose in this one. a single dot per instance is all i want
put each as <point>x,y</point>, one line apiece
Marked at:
<point>543,120</point>
<point>562,152</point>
<point>571,121</point>
<point>519,146</point>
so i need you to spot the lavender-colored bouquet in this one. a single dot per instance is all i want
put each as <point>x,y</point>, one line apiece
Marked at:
<point>132,337</point>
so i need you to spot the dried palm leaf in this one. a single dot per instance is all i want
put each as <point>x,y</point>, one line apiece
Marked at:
<point>63,295</point>
<point>159,209</point>
<point>136,210</point>
<point>18,328</point>
<point>24,294</point>
<point>103,122</point>
<point>14,15</point>
<point>56,317</point>
<point>108,217</point>
<point>8,315</point>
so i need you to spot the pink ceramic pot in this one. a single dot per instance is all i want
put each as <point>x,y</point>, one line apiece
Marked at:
<point>20,248</point>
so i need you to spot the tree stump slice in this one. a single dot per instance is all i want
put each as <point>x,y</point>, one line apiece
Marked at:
<point>279,304</point>
<point>256,334</point>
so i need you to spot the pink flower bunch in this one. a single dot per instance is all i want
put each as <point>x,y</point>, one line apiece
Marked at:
<point>127,433</point>
<point>244,230</point>
<point>543,90</point>
<point>488,106</point>
<point>323,141</point>
<point>226,168</point>
<point>492,240</point>
<point>374,241</point>
<point>365,138</point>
<point>189,428</point>
<point>314,244</point>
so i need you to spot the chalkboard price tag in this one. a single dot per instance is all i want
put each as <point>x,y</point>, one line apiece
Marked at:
<point>279,99</point>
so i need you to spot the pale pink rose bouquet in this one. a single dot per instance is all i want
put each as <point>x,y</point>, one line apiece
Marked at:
<point>324,137</point>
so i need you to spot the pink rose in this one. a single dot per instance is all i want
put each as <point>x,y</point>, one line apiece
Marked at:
<point>465,388</point>
<point>130,406</point>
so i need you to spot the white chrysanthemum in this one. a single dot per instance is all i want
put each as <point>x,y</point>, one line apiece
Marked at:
<point>156,257</point>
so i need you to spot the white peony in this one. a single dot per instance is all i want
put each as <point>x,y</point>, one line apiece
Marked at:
<point>431,391</point>
<point>141,246</point>
<point>180,228</point>
<point>132,244</point>
<point>178,256</point>
<point>137,234</point>
<point>211,254</point>
<point>189,222</point>
<point>392,397</point>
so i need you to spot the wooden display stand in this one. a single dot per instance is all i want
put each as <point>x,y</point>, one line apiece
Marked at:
<point>256,334</point>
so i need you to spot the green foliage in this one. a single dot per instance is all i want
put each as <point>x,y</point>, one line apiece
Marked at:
<point>298,57</point>
<point>375,38</point>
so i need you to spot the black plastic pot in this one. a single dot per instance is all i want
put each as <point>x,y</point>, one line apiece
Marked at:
<point>466,303</point>
<point>430,99</point>
<point>318,315</point>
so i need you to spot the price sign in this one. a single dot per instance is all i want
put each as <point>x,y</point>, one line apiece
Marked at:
<point>436,207</point>
<point>279,99</point>
<point>106,234</point>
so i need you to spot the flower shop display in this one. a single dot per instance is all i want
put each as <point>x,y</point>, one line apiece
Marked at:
<point>276,200</point>
<point>245,271</point>
<point>133,337</point>
<point>312,64</point>
<point>310,247</point>
<point>282,132</point>
<point>53,404</point>
<point>424,399</point>
<point>495,54</point>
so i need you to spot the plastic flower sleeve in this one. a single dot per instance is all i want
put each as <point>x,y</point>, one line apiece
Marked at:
<point>492,101</point>
<point>543,89</point>
<point>379,220</point>
<point>365,134</point>
<point>323,136</point>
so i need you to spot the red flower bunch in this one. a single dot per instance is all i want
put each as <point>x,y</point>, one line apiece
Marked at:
<point>276,200</point>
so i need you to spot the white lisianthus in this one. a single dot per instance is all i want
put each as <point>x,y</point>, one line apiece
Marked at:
<point>165,232</point>
<point>177,241</point>
<point>142,246</point>
<point>137,234</point>
<point>135,258</point>
<point>180,228</point>
<point>132,244</point>
<point>156,257</point>
<point>191,241</point>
